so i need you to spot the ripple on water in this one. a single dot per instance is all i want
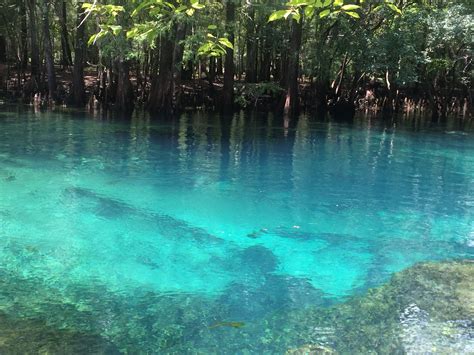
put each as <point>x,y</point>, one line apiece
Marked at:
<point>146,235</point>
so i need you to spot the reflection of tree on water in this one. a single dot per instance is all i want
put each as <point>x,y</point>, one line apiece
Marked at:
<point>244,221</point>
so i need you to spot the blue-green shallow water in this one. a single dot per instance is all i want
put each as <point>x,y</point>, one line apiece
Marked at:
<point>235,218</point>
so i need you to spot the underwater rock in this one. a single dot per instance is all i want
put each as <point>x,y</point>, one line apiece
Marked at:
<point>250,296</point>
<point>29,336</point>
<point>258,257</point>
<point>428,306</point>
<point>424,309</point>
<point>276,292</point>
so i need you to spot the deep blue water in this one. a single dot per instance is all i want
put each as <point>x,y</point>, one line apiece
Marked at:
<point>239,212</point>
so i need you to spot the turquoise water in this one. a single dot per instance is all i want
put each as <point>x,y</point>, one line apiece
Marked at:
<point>236,218</point>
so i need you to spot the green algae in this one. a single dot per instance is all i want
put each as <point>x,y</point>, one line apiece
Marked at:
<point>427,308</point>
<point>30,336</point>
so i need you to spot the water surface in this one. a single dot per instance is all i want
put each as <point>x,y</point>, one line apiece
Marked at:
<point>210,220</point>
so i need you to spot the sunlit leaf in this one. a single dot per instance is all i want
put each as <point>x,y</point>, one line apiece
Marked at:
<point>297,16</point>
<point>377,8</point>
<point>225,42</point>
<point>350,7</point>
<point>309,11</point>
<point>352,14</point>
<point>288,13</point>
<point>277,15</point>
<point>196,5</point>
<point>393,7</point>
<point>115,29</point>
<point>324,13</point>
<point>297,3</point>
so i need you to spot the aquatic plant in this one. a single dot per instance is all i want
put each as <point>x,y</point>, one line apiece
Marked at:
<point>428,305</point>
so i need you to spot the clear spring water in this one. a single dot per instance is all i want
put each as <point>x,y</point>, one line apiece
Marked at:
<point>239,215</point>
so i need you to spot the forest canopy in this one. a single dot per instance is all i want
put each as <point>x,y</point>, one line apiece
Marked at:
<point>323,55</point>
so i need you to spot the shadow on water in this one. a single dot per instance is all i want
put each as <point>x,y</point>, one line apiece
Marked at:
<point>113,209</point>
<point>262,291</point>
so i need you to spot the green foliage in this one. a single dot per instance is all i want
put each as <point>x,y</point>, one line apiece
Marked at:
<point>422,45</point>
<point>214,46</point>
<point>310,8</point>
<point>249,94</point>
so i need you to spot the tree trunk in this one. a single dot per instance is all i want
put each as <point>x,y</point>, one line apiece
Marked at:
<point>3,49</point>
<point>282,66</point>
<point>160,98</point>
<point>291,98</point>
<point>124,91</point>
<point>265,54</point>
<point>177,64</point>
<point>23,37</point>
<point>66,58</point>
<point>164,91</point>
<point>48,49</point>
<point>35,61</point>
<point>78,90</point>
<point>212,69</point>
<point>251,63</point>
<point>3,59</point>
<point>228,91</point>
<point>219,68</point>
